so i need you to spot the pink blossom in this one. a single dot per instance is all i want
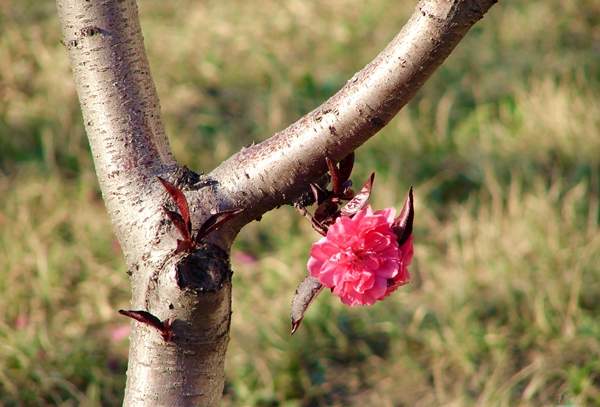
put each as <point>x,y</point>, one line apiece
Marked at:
<point>120,332</point>
<point>22,321</point>
<point>245,257</point>
<point>360,259</point>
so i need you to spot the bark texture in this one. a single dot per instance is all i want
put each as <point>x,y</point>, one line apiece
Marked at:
<point>192,289</point>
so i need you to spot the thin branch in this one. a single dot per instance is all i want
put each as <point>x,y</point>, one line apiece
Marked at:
<point>279,169</point>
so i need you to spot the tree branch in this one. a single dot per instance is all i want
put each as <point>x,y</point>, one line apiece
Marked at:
<point>279,169</point>
<point>181,364</point>
<point>119,104</point>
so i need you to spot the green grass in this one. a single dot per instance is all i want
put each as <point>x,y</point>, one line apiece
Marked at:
<point>502,146</point>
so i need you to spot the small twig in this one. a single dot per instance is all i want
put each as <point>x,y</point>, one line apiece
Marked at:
<point>316,225</point>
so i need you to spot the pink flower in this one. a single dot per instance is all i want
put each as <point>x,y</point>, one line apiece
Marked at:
<point>120,332</point>
<point>360,259</point>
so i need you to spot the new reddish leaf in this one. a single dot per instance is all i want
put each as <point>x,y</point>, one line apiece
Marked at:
<point>147,318</point>
<point>306,292</point>
<point>215,221</point>
<point>403,224</point>
<point>181,202</point>
<point>336,183</point>
<point>179,224</point>
<point>318,193</point>
<point>326,212</point>
<point>346,166</point>
<point>360,200</point>
<point>184,246</point>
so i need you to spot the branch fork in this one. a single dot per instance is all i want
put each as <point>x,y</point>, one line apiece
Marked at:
<point>182,221</point>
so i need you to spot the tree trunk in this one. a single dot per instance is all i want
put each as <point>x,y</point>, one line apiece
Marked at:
<point>177,359</point>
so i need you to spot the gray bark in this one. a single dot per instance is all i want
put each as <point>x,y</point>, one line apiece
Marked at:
<point>122,119</point>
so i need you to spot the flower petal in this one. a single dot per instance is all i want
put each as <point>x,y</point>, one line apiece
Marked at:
<point>359,258</point>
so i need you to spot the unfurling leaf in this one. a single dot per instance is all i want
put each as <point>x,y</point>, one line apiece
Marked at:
<point>326,213</point>
<point>164,327</point>
<point>307,291</point>
<point>179,224</point>
<point>336,182</point>
<point>319,194</point>
<point>403,224</point>
<point>346,166</point>
<point>184,246</point>
<point>215,221</point>
<point>360,200</point>
<point>181,202</point>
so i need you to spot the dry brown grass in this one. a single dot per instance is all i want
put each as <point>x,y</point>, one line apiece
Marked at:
<point>502,146</point>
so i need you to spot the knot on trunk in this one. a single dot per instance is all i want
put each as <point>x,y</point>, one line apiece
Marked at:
<point>206,269</point>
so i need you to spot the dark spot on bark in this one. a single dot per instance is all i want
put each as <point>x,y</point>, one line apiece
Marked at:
<point>184,177</point>
<point>478,12</point>
<point>164,222</point>
<point>377,122</point>
<point>432,16</point>
<point>207,269</point>
<point>333,130</point>
<point>72,44</point>
<point>307,198</point>
<point>90,31</point>
<point>135,267</point>
<point>204,182</point>
<point>171,306</point>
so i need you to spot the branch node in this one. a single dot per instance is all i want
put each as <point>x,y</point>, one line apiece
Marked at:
<point>206,269</point>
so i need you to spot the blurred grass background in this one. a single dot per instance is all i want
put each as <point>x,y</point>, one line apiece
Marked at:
<point>502,145</point>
